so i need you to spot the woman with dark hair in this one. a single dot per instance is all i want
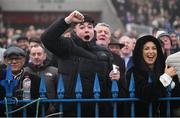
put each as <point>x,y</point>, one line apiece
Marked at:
<point>149,65</point>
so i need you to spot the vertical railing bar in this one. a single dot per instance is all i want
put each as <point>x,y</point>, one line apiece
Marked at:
<point>169,90</point>
<point>132,109</point>
<point>96,91</point>
<point>42,110</point>
<point>168,109</point>
<point>97,110</point>
<point>114,90</point>
<point>61,109</point>
<point>114,109</point>
<point>60,93</point>
<point>9,109</point>
<point>78,91</point>
<point>132,95</point>
<point>24,113</point>
<point>150,110</point>
<point>78,109</point>
<point>42,92</point>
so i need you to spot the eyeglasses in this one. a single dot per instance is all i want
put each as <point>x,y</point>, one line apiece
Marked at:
<point>11,59</point>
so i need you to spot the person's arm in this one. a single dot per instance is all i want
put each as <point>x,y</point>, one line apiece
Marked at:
<point>166,78</point>
<point>51,37</point>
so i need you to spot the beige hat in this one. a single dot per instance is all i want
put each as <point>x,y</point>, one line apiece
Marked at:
<point>161,33</point>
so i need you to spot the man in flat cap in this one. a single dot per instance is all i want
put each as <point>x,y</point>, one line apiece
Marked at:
<point>15,56</point>
<point>165,40</point>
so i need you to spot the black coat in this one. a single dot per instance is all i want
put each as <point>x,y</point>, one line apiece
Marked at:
<point>76,56</point>
<point>148,90</point>
<point>50,74</point>
<point>51,80</point>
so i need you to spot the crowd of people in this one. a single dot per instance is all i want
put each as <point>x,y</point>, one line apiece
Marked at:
<point>157,13</point>
<point>76,44</point>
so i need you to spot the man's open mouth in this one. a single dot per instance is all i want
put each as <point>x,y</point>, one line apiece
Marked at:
<point>87,37</point>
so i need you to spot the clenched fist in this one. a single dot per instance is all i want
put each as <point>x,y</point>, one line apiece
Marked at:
<point>74,17</point>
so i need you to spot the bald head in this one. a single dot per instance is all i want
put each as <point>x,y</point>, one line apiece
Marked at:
<point>129,46</point>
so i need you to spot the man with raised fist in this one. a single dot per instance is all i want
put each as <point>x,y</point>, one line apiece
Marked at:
<point>80,54</point>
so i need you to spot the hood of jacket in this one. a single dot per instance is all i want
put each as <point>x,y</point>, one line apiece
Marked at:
<point>138,60</point>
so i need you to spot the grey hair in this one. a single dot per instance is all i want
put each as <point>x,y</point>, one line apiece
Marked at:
<point>102,24</point>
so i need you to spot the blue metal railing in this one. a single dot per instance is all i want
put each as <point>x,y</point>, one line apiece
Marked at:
<point>9,83</point>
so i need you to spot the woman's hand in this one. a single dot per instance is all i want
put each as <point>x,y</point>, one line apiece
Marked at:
<point>171,71</point>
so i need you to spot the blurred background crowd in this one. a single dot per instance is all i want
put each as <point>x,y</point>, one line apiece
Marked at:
<point>158,13</point>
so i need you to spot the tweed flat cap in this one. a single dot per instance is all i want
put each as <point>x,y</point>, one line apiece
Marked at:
<point>14,50</point>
